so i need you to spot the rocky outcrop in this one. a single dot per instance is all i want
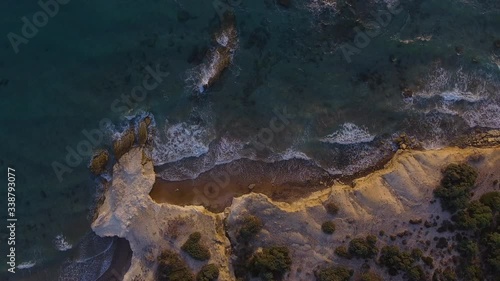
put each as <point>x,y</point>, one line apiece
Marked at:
<point>387,200</point>
<point>124,143</point>
<point>99,162</point>
<point>129,212</point>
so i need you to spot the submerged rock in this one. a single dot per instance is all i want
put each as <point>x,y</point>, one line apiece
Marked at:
<point>221,56</point>
<point>99,162</point>
<point>123,144</point>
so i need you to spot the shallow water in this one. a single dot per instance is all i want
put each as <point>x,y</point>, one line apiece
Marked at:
<point>290,93</point>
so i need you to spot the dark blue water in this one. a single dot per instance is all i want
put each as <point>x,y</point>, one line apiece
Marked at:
<point>431,71</point>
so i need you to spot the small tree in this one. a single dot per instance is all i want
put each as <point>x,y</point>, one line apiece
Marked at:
<point>194,249</point>
<point>363,248</point>
<point>208,272</point>
<point>172,268</point>
<point>271,264</point>
<point>456,184</point>
<point>334,273</point>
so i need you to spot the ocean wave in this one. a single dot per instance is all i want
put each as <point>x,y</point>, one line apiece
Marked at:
<point>349,134</point>
<point>26,265</point>
<point>179,141</point>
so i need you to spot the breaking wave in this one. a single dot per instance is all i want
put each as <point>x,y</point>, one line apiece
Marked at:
<point>349,134</point>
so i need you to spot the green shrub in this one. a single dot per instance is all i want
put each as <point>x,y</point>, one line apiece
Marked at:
<point>334,273</point>
<point>250,227</point>
<point>475,216</point>
<point>172,268</point>
<point>492,242</point>
<point>467,248</point>
<point>328,227</point>
<point>271,264</point>
<point>456,184</point>
<point>194,249</point>
<point>332,208</point>
<point>370,276</point>
<point>416,273</point>
<point>429,261</point>
<point>416,254</point>
<point>209,272</point>
<point>342,251</point>
<point>395,260</point>
<point>492,200</point>
<point>363,248</point>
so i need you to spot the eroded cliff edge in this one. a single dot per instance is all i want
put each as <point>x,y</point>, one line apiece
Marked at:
<point>385,200</point>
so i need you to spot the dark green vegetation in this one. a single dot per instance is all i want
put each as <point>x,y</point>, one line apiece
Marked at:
<point>370,276</point>
<point>456,185</point>
<point>334,273</point>
<point>479,245</point>
<point>194,249</point>
<point>363,247</point>
<point>171,267</point>
<point>396,261</point>
<point>251,226</point>
<point>271,264</point>
<point>342,251</point>
<point>328,227</point>
<point>209,272</point>
<point>332,208</point>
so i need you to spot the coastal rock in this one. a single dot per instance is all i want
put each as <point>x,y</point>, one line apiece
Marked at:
<point>99,162</point>
<point>124,143</point>
<point>129,212</point>
<point>142,133</point>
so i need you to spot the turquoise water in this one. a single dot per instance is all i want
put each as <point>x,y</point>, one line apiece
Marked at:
<point>66,78</point>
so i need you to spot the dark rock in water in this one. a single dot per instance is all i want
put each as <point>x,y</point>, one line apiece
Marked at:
<point>99,162</point>
<point>183,16</point>
<point>124,143</point>
<point>147,120</point>
<point>285,3</point>
<point>221,57</point>
<point>497,44</point>
<point>143,133</point>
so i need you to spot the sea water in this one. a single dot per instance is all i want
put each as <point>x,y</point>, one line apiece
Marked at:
<point>291,92</point>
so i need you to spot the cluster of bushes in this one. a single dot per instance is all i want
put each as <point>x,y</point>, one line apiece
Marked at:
<point>171,267</point>
<point>396,261</point>
<point>271,263</point>
<point>363,247</point>
<point>456,185</point>
<point>334,273</point>
<point>195,249</point>
<point>250,227</point>
<point>209,272</point>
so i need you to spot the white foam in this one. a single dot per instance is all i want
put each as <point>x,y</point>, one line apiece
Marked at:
<point>26,265</point>
<point>486,116</point>
<point>349,134</point>
<point>180,141</point>
<point>61,244</point>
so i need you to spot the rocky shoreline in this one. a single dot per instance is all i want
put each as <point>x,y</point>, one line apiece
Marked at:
<point>388,199</point>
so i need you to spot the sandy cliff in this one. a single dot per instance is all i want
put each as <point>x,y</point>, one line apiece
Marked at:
<point>384,200</point>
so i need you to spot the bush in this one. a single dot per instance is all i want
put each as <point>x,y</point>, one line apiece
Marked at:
<point>467,248</point>
<point>194,249</point>
<point>492,200</point>
<point>363,248</point>
<point>429,261</point>
<point>334,273</point>
<point>342,251</point>
<point>456,184</point>
<point>271,263</point>
<point>332,208</point>
<point>209,272</point>
<point>328,227</point>
<point>493,254</point>
<point>250,227</point>
<point>172,268</point>
<point>370,276</point>
<point>416,273</point>
<point>395,260</point>
<point>475,216</point>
